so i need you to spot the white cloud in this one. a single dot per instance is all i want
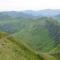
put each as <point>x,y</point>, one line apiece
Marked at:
<point>29,4</point>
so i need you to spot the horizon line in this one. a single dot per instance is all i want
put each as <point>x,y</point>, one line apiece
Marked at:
<point>26,10</point>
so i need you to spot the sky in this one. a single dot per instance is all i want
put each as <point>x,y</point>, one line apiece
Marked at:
<point>18,5</point>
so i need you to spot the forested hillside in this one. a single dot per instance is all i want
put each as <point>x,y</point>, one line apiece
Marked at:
<point>28,38</point>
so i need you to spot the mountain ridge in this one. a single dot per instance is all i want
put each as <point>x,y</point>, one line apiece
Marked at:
<point>32,13</point>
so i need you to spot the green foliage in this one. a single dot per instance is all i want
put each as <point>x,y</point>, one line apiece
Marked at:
<point>35,33</point>
<point>14,50</point>
<point>54,31</point>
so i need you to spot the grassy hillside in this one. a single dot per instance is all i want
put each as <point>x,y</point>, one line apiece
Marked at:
<point>14,50</point>
<point>41,34</point>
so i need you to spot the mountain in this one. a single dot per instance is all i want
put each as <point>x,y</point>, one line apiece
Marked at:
<point>29,37</point>
<point>31,13</point>
<point>11,49</point>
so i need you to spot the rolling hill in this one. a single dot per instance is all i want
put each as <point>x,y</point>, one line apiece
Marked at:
<point>29,38</point>
<point>10,49</point>
<point>30,13</point>
<point>43,13</point>
<point>41,34</point>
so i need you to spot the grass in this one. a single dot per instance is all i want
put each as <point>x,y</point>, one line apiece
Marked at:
<point>11,49</point>
<point>32,32</point>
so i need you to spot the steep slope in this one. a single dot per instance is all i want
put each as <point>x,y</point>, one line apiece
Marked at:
<point>42,34</point>
<point>11,50</point>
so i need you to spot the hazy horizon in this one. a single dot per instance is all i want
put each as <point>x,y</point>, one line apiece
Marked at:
<point>21,5</point>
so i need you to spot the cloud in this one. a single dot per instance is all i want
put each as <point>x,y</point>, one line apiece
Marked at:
<point>28,4</point>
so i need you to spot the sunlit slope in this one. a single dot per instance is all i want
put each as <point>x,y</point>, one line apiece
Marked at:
<point>11,50</point>
<point>43,34</point>
<point>37,33</point>
<point>32,31</point>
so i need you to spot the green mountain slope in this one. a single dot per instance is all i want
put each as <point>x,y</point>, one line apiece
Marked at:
<point>10,49</point>
<point>39,35</point>
<point>42,34</point>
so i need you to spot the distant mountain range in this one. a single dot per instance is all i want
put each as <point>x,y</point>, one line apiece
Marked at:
<point>31,13</point>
